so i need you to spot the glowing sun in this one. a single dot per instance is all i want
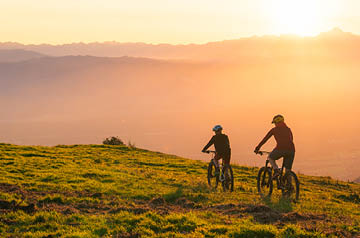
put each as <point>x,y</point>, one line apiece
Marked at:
<point>302,17</point>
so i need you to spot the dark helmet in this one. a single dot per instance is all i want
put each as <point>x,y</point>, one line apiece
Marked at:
<point>277,119</point>
<point>217,128</point>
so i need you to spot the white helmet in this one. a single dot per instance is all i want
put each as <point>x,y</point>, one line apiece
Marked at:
<point>217,128</point>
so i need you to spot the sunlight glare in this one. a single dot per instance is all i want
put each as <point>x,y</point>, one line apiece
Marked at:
<point>302,18</point>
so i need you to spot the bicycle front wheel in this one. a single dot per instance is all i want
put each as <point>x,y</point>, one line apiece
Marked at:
<point>291,189</point>
<point>264,182</point>
<point>213,180</point>
<point>228,183</point>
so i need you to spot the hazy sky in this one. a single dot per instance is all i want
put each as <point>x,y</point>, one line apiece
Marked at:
<point>170,21</point>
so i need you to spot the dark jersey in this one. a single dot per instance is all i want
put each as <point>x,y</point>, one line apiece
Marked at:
<point>283,137</point>
<point>221,143</point>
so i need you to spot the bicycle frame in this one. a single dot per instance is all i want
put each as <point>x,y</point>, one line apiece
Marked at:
<point>224,175</point>
<point>279,180</point>
<point>221,166</point>
<point>283,180</point>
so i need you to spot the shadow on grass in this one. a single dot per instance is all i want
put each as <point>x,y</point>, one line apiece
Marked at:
<point>280,205</point>
<point>173,196</point>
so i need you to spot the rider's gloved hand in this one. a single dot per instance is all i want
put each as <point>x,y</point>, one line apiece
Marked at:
<point>256,151</point>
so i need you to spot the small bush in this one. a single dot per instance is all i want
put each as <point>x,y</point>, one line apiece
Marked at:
<point>131,144</point>
<point>113,141</point>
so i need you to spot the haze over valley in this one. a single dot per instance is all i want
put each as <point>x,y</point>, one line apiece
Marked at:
<point>168,97</point>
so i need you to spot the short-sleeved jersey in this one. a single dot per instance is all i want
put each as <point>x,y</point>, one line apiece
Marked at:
<point>283,137</point>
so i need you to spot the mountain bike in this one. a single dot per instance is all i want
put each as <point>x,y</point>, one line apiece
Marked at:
<point>288,183</point>
<point>225,176</point>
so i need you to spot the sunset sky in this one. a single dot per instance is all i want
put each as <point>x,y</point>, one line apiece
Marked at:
<point>170,21</point>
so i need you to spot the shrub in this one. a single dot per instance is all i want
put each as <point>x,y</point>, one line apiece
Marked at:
<point>131,145</point>
<point>113,140</point>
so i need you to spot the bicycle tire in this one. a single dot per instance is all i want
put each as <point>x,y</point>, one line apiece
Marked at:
<point>213,180</point>
<point>225,185</point>
<point>291,176</point>
<point>264,181</point>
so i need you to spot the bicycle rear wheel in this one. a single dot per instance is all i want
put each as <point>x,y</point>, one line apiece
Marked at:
<point>264,182</point>
<point>213,180</point>
<point>291,188</point>
<point>228,183</point>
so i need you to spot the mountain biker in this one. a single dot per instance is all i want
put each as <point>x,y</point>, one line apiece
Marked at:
<point>222,148</point>
<point>285,146</point>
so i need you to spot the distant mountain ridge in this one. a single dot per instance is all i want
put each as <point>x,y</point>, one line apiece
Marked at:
<point>326,44</point>
<point>17,55</point>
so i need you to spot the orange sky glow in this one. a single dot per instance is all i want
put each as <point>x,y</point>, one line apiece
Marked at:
<point>175,22</point>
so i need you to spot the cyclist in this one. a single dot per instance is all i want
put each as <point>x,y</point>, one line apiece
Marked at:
<point>285,146</point>
<point>222,148</point>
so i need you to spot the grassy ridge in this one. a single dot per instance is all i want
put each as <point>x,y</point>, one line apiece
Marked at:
<point>117,191</point>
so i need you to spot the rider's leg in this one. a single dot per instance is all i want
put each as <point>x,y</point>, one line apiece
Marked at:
<point>288,162</point>
<point>216,160</point>
<point>217,157</point>
<point>226,160</point>
<point>273,163</point>
<point>288,183</point>
<point>273,156</point>
<point>277,171</point>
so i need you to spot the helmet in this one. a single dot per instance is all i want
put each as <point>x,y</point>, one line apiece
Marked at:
<point>217,128</point>
<point>277,119</point>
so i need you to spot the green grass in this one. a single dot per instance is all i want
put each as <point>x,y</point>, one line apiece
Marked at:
<point>117,191</point>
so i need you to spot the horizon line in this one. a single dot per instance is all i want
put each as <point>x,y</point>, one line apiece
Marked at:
<point>334,29</point>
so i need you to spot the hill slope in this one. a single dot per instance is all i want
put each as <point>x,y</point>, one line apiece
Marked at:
<point>97,190</point>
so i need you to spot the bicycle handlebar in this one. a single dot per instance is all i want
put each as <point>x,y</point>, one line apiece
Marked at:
<point>259,152</point>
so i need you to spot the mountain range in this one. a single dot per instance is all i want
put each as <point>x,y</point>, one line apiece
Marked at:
<point>17,55</point>
<point>334,44</point>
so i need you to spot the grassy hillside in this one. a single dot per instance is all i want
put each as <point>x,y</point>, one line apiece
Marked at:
<point>116,191</point>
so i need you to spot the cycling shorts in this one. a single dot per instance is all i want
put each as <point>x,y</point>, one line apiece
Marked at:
<point>287,155</point>
<point>225,156</point>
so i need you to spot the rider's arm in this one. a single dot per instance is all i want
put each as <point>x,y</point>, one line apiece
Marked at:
<point>266,138</point>
<point>211,142</point>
